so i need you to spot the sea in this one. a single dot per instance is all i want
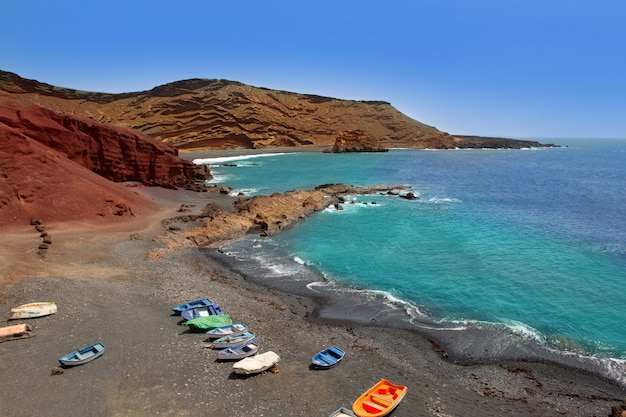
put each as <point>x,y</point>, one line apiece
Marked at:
<point>522,248</point>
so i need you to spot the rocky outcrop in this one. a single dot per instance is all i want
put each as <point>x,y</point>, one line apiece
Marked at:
<point>267,215</point>
<point>59,167</point>
<point>355,141</point>
<point>201,114</point>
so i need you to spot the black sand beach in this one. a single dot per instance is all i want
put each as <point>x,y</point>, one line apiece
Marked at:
<point>106,290</point>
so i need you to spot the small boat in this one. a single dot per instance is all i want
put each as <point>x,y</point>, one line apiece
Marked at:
<point>17,331</point>
<point>81,356</point>
<point>327,358</point>
<point>241,351</point>
<point>202,324</point>
<point>202,311</point>
<point>379,400</point>
<point>191,304</point>
<point>32,310</point>
<point>342,412</point>
<point>228,330</point>
<point>232,340</point>
<point>255,364</point>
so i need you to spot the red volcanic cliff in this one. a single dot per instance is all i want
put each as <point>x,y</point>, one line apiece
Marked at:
<point>58,167</point>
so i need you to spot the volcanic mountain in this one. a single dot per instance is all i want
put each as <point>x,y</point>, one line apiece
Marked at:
<point>202,114</point>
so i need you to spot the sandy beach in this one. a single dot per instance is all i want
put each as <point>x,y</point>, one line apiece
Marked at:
<point>107,290</point>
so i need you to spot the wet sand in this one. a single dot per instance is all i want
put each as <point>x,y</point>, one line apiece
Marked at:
<point>106,290</point>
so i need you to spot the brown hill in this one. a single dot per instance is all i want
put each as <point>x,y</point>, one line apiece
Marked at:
<point>202,114</point>
<point>58,167</point>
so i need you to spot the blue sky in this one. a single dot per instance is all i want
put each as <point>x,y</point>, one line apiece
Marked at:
<point>523,69</point>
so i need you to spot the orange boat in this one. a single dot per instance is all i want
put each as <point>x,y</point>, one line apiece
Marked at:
<point>379,400</point>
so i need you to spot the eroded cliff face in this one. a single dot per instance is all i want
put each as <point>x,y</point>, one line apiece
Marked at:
<point>201,114</point>
<point>55,167</point>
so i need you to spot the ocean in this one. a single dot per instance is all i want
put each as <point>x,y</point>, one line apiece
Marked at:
<point>529,244</point>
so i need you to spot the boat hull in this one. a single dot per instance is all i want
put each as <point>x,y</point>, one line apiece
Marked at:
<point>238,352</point>
<point>196,303</point>
<point>82,356</point>
<point>342,412</point>
<point>256,364</point>
<point>234,329</point>
<point>32,310</point>
<point>229,341</point>
<point>327,358</point>
<point>379,400</point>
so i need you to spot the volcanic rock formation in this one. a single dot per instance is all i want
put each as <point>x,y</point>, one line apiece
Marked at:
<point>355,141</point>
<point>59,167</point>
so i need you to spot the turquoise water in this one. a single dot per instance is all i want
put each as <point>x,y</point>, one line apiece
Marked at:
<point>531,241</point>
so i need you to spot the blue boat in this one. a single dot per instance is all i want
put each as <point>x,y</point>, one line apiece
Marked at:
<point>202,311</point>
<point>81,356</point>
<point>327,358</point>
<point>185,306</point>
<point>236,352</point>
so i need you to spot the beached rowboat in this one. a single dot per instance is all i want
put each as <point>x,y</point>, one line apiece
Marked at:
<point>32,310</point>
<point>191,304</point>
<point>255,364</point>
<point>81,356</point>
<point>232,340</point>
<point>228,330</point>
<point>241,351</point>
<point>17,331</point>
<point>202,311</point>
<point>342,412</point>
<point>202,324</point>
<point>379,400</point>
<point>327,358</point>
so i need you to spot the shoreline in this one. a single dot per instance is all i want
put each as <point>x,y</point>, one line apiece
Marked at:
<point>106,289</point>
<point>466,346</point>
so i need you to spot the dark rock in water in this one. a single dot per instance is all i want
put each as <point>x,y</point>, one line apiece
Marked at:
<point>409,196</point>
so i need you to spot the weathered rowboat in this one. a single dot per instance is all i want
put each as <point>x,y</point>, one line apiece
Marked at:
<point>327,358</point>
<point>255,364</point>
<point>379,400</point>
<point>241,351</point>
<point>228,330</point>
<point>202,311</point>
<point>342,412</point>
<point>32,310</point>
<point>202,324</point>
<point>232,340</point>
<point>17,331</point>
<point>81,356</point>
<point>196,303</point>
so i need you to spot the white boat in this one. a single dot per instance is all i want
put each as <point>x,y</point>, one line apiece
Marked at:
<point>255,364</point>
<point>228,341</point>
<point>239,351</point>
<point>32,310</point>
<point>228,330</point>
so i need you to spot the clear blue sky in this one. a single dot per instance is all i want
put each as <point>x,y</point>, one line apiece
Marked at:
<point>515,68</point>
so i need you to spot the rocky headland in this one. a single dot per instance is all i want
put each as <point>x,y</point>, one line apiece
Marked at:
<point>208,114</point>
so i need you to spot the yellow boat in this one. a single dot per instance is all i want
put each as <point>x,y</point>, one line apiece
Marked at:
<point>379,400</point>
<point>32,310</point>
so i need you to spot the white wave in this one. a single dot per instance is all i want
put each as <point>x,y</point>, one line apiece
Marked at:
<point>219,178</point>
<point>245,191</point>
<point>222,159</point>
<point>441,200</point>
<point>299,260</point>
